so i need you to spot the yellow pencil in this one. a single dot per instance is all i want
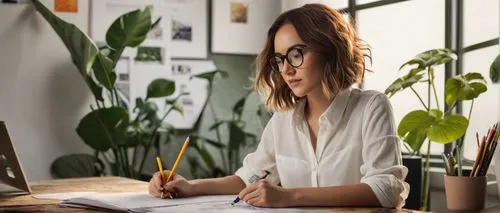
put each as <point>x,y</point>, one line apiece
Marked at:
<point>177,161</point>
<point>162,175</point>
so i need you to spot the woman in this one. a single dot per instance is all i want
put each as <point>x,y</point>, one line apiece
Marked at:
<point>327,144</point>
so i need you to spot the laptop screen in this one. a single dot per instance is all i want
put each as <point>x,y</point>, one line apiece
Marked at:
<point>12,179</point>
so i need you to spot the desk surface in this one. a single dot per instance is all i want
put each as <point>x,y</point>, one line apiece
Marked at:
<point>105,184</point>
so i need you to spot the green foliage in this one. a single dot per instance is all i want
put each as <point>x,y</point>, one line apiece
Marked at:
<point>108,128</point>
<point>431,123</point>
<point>464,87</point>
<point>104,128</point>
<point>229,151</point>
<point>77,165</point>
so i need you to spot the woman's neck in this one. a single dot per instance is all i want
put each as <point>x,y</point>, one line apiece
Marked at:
<point>317,103</point>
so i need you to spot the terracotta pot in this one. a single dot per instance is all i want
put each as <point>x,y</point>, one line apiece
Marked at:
<point>465,194</point>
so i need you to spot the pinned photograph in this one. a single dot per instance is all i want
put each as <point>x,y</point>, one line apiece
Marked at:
<point>149,54</point>
<point>70,6</point>
<point>181,69</point>
<point>239,12</point>
<point>123,81</point>
<point>181,31</point>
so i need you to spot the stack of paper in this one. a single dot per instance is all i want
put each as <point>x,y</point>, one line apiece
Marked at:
<point>137,201</point>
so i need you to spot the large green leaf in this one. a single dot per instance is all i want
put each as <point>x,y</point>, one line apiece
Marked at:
<point>160,88</point>
<point>82,49</point>
<point>431,58</point>
<point>413,128</point>
<point>96,89</point>
<point>448,129</point>
<point>104,128</point>
<point>468,87</point>
<point>76,165</point>
<point>495,69</point>
<point>129,30</point>
<point>418,125</point>
<point>413,77</point>
<point>103,71</point>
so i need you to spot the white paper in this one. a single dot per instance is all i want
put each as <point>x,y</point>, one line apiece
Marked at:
<point>140,201</point>
<point>223,207</point>
<point>63,196</point>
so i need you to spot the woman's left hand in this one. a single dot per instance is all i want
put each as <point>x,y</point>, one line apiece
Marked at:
<point>263,194</point>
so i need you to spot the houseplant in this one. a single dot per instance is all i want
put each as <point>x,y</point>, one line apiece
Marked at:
<point>229,151</point>
<point>466,192</point>
<point>433,123</point>
<point>109,128</point>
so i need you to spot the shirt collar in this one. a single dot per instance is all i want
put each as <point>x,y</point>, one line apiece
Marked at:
<point>332,114</point>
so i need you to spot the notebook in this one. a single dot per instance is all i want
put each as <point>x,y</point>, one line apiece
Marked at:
<point>137,201</point>
<point>12,178</point>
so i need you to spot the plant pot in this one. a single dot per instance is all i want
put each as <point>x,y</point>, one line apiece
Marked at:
<point>465,194</point>
<point>414,179</point>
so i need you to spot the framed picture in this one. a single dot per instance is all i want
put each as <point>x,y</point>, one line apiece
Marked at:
<point>240,26</point>
<point>188,38</point>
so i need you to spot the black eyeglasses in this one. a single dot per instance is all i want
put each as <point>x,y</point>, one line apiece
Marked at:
<point>294,57</point>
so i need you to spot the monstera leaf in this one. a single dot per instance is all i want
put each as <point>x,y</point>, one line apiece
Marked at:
<point>413,77</point>
<point>418,125</point>
<point>464,87</point>
<point>104,128</point>
<point>431,58</point>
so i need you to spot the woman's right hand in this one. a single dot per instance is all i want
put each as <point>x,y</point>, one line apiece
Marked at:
<point>177,187</point>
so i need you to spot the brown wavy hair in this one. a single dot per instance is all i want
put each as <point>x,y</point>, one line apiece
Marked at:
<point>329,35</point>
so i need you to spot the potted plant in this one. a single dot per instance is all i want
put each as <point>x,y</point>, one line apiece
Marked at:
<point>466,192</point>
<point>435,123</point>
<point>122,140</point>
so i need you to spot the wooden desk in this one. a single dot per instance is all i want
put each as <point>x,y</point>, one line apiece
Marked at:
<point>103,184</point>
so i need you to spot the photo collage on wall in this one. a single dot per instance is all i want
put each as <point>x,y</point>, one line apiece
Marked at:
<point>179,34</point>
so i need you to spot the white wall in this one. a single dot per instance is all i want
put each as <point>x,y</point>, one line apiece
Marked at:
<point>42,96</point>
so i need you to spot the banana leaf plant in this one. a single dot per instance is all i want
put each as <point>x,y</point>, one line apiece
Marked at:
<point>109,128</point>
<point>433,123</point>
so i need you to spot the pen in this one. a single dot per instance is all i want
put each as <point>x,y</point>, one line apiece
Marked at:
<point>181,153</point>
<point>263,177</point>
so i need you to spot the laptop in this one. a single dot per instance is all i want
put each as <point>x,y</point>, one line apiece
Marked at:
<point>12,178</point>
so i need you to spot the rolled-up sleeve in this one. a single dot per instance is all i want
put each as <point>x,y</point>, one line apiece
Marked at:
<point>382,169</point>
<point>262,160</point>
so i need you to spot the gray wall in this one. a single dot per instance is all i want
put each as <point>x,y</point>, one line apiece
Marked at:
<point>42,97</point>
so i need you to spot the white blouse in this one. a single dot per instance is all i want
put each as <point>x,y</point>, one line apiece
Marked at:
<point>356,143</point>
